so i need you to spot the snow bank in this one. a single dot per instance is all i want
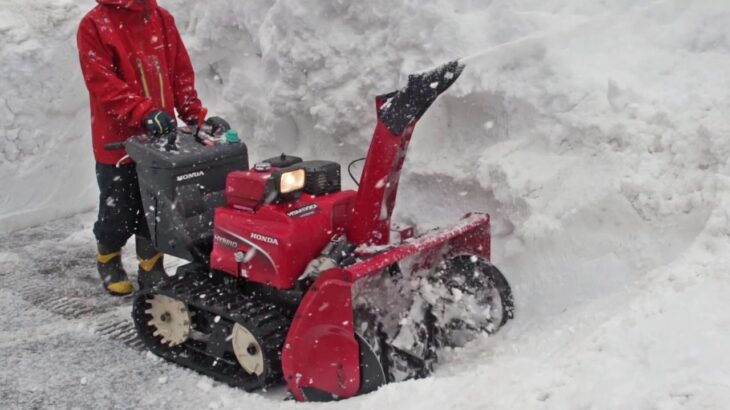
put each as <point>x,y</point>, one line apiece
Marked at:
<point>595,132</point>
<point>46,167</point>
<point>555,92</point>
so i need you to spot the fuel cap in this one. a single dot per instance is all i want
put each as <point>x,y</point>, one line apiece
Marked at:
<point>262,167</point>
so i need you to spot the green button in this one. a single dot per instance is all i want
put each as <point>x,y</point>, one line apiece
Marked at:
<point>232,137</point>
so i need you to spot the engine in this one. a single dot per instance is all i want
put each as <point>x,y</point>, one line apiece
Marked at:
<point>277,218</point>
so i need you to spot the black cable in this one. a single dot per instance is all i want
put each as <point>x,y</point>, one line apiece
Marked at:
<point>349,170</point>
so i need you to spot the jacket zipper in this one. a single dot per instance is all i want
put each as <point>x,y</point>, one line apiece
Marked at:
<point>162,82</point>
<point>144,79</point>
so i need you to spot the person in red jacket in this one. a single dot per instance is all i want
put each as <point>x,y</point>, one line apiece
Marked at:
<point>138,73</point>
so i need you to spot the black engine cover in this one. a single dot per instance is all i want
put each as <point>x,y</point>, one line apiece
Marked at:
<point>323,177</point>
<point>181,188</point>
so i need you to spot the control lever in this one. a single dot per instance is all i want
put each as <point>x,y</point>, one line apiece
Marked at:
<point>114,146</point>
<point>201,121</point>
<point>171,141</point>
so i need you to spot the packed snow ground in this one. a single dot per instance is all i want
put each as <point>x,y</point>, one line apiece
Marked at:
<point>595,132</point>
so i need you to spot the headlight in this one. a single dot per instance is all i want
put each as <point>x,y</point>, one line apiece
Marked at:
<point>292,181</point>
<point>285,185</point>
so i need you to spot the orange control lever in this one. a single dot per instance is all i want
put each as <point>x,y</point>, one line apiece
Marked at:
<point>201,120</point>
<point>201,116</point>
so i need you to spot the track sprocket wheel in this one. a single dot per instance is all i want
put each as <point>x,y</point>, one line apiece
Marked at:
<point>170,319</point>
<point>257,338</point>
<point>247,350</point>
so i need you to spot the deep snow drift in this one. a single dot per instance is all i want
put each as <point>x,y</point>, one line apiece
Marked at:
<point>595,132</point>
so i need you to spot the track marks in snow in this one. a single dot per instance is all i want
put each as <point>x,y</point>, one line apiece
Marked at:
<point>122,330</point>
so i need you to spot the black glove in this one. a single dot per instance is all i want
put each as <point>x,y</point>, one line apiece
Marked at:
<point>217,125</point>
<point>159,123</point>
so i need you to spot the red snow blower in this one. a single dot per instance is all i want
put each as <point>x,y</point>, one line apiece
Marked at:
<point>291,278</point>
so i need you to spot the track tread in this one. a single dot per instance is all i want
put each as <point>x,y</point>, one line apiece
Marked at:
<point>202,293</point>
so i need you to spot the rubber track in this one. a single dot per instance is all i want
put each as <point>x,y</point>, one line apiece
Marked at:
<point>201,293</point>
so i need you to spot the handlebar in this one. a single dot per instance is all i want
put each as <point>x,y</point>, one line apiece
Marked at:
<point>114,146</point>
<point>172,137</point>
<point>170,145</point>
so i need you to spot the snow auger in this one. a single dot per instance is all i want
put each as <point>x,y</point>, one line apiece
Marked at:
<point>292,278</point>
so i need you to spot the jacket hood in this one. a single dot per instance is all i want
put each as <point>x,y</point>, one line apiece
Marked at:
<point>135,5</point>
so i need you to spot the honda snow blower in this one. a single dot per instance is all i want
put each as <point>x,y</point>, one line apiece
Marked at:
<point>292,278</point>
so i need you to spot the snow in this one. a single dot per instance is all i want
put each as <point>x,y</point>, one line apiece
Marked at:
<point>594,132</point>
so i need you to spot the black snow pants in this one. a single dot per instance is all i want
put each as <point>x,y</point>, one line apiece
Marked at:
<point>121,213</point>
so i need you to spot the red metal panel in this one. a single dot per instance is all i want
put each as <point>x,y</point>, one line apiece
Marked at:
<point>246,189</point>
<point>278,240</point>
<point>471,235</point>
<point>321,350</point>
<point>379,185</point>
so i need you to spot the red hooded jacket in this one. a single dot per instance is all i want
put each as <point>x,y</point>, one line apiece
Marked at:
<point>134,62</point>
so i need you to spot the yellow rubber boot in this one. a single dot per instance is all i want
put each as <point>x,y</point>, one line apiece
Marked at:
<point>112,273</point>
<point>151,269</point>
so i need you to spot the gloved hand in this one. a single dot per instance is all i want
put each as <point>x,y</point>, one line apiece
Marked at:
<point>159,123</point>
<point>217,125</point>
